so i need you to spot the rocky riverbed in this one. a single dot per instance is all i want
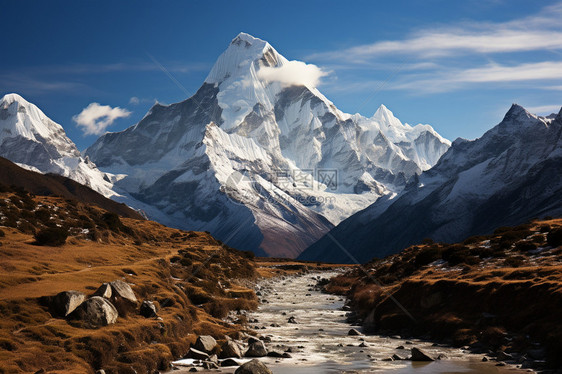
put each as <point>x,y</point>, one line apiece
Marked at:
<point>310,327</point>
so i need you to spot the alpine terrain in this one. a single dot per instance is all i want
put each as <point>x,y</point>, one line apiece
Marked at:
<point>32,140</point>
<point>262,164</point>
<point>508,176</point>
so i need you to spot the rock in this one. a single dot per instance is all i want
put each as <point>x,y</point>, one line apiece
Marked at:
<point>193,370</point>
<point>253,367</point>
<point>256,349</point>
<point>66,302</point>
<point>395,357</point>
<point>97,311</point>
<point>122,290</point>
<point>292,320</point>
<point>101,371</point>
<point>147,309</point>
<point>274,354</point>
<point>419,355</point>
<point>205,343</point>
<point>484,359</point>
<point>104,291</point>
<point>287,355</point>
<point>363,345</point>
<point>214,359</point>
<point>353,332</point>
<point>229,362</point>
<point>400,347</point>
<point>196,354</point>
<point>230,349</point>
<point>252,340</point>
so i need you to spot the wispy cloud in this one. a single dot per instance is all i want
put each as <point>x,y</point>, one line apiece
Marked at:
<point>95,118</point>
<point>452,57</point>
<point>544,109</point>
<point>538,32</point>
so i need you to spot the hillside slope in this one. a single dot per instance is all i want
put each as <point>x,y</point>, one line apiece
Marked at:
<point>192,280</point>
<point>499,294</point>
<point>57,185</point>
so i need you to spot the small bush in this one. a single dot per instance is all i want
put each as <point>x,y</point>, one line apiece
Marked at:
<point>53,236</point>
<point>112,221</point>
<point>554,237</point>
<point>427,255</point>
<point>524,246</point>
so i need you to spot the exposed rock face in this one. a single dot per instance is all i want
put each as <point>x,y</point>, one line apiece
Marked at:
<point>230,349</point>
<point>97,311</point>
<point>66,302</point>
<point>256,349</point>
<point>253,367</point>
<point>205,343</point>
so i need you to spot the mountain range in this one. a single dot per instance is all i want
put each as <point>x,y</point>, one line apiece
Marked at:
<point>508,176</point>
<point>274,167</point>
<point>265,165</point>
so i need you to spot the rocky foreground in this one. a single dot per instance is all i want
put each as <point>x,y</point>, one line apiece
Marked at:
<point>498,295</point>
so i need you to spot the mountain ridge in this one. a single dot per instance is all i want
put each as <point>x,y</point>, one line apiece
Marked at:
<point>507,176</point>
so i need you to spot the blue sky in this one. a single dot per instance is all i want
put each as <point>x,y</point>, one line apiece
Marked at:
<point>457,65</point>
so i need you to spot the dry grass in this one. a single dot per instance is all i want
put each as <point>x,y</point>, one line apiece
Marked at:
<point>160,263</point>
<point>475,291</point>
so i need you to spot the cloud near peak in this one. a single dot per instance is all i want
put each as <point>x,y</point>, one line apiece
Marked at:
<point>95,118</point>
<point>293,73</point>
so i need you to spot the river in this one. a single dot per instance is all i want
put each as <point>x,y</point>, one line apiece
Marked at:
<point>319,341</point>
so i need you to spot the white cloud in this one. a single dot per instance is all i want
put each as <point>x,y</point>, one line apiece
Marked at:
<point>444,81</point>
<point>538,32</point>
<point>95,118</point>
<point>293,73</point>
<point>134,100</point>
<point>544,109</point>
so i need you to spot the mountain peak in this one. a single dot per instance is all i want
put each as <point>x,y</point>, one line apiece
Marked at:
<point>240,56</point>
<point>517,112</point>
<point>10,98</point>
<point>247,40</point>
<point>383,115</point>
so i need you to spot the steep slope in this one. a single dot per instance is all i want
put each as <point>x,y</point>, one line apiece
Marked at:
<point>266,165</point>
<point>509,175</point>
<point>32,140</point>
<point>57,185</point>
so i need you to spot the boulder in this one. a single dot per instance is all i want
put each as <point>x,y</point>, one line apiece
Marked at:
<point>104,291</point>
<point>97,311</point>
<point>66,302</point>
<point>122,290</point>
<point>205,343</point>
<point>353,332</point>
<point>256,349</point>
<point>419,355</point>
<point>196,354</point>
<point>147,309</point>
<point>253,367</point>
<point>229,362</point>
<point>230,349</point>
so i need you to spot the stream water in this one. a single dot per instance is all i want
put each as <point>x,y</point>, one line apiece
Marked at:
<point>319,341</point>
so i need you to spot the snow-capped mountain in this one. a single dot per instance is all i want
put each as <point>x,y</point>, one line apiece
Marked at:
<point>32,140</point>
<point>262,164</point>
<point>512,174</point>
